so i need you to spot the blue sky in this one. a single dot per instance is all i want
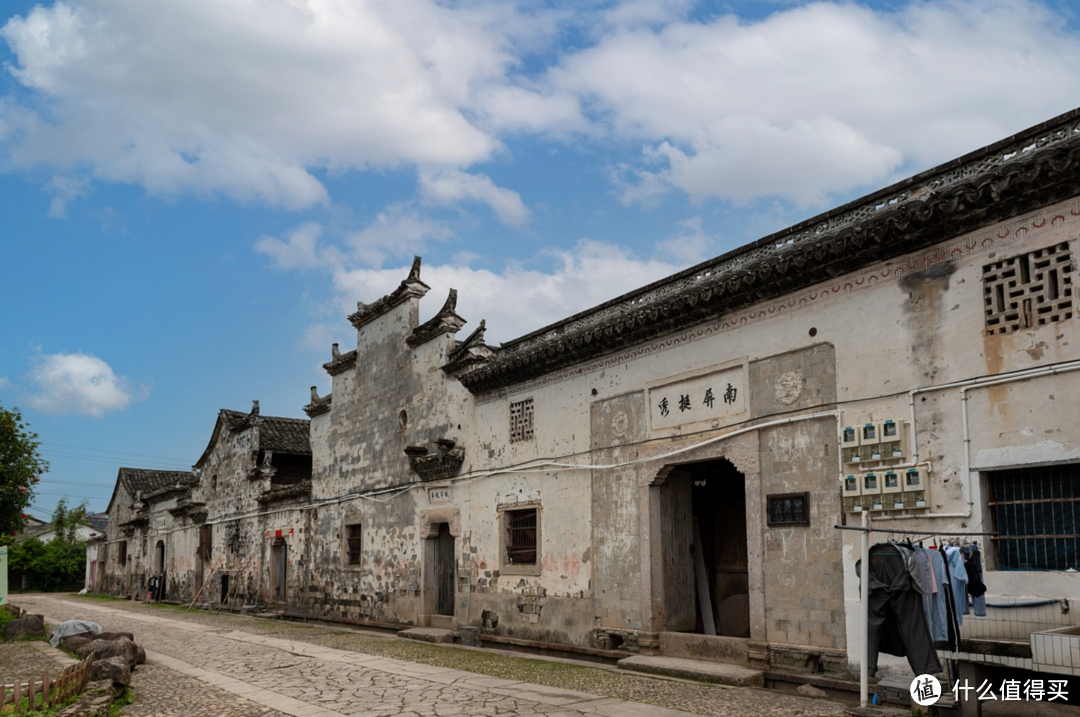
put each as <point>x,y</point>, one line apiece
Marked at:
<point>193,195</point>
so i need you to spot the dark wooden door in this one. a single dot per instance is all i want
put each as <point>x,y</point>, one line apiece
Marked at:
<point>445,572</point>
<point>677,536</point>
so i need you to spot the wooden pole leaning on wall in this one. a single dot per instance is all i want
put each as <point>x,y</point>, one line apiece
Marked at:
<point>213,568</point>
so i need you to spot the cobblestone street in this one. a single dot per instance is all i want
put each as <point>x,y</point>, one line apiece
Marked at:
<point>201,664</point>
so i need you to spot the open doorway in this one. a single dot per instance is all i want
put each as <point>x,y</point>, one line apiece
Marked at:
<point>279,562</point>
<point>445,571</point>
<point>703,521</point>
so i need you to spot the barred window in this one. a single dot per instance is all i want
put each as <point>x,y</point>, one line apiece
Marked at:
<point>521,421</point>
<point>1028,290</point>
<point>522,530</point>
<point>353,544</point>
<point>1036,515</point>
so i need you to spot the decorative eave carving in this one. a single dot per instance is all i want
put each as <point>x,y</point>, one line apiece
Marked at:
<point>410,288</point>
<point>319,406</point>
<point>185,508</point>
<point>445,462</point>
<point>339,361</point>
<point>1023,173</point>
<point>285,492</point>
<point>444,322</point>
<point>469,353</point>
<point>141,519</point>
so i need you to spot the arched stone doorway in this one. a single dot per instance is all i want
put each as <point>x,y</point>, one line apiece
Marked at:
<point>718,486</point>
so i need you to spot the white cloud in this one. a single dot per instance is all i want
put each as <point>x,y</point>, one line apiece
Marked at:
<point>517,300</point>
<point>449,186</point>
<point>299,251</point>
<point>82,384</point>
<point>4,382</point>
<point>819,98</point>
<point>689,245</point>
<point>245,97</point>
<point>64,189</point>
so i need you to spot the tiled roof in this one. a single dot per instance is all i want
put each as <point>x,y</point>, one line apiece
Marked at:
<point>98,521</point>
<point>138,480</point>
<point>282,435</point>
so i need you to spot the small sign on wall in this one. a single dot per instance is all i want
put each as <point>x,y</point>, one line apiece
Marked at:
<point>788,509</point>
<point>717,396</point>
<point>438,495</point>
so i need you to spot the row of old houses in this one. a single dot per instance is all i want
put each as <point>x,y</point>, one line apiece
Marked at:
<point>664,473</point>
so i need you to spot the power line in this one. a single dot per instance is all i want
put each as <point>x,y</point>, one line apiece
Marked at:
<point>116,461</point>
<point>77,483</point>
<point>102,450</point>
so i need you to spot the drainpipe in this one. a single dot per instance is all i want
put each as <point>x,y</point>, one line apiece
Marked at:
<point>965,386</point>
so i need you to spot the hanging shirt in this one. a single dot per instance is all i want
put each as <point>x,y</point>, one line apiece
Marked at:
<point>959,577</point>
<point>937,616</point>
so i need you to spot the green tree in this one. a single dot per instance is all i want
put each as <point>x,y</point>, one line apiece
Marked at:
<point>67,521</point>
<point>20,469</point>
<point>54,566</point>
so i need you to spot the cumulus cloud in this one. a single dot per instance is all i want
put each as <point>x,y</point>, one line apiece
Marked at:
<point>451,186</point>
<point>819,98</point>
<point>81,384</point>
<point>254,99</point>
<point>64,190</point>
<point>299,251</point>
<point>245,97</point>
<point>689,244</point>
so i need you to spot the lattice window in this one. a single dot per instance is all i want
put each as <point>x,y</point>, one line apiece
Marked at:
<point>1028,290</point>
<point>521,421</point>
<point>522,531</point>
<point>353,543</point>
<point>1037,517</point>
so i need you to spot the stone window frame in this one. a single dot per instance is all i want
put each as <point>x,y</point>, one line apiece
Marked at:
<point>508,568</point>
<point>522,420</point>
<point>348,522</point>
<point>346,545</point>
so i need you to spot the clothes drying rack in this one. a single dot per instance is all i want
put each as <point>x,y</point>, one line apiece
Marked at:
<point>864,582</point>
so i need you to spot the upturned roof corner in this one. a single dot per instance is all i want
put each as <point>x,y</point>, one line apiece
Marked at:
<point>446,321</point>
<point>339,361</point>
<point>410,288</point>
<point>469,353</point>
<point>318,406</point>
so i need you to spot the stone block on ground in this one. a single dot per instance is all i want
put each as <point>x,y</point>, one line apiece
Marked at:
<point>74,642</point>
<point>811,691</point>
<point>115,669</point>
<point>104,649</point>
<point>428,634</point>
<point>695,670</point>
<point>29,626</point>
<point>116,636</point>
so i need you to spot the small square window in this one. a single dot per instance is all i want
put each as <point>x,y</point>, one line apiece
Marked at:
<point>353,544</point>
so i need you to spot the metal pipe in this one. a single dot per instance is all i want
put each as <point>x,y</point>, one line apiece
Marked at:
<point>864,623</point>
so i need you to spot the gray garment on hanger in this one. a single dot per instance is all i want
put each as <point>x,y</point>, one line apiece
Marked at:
<point>938,617</point>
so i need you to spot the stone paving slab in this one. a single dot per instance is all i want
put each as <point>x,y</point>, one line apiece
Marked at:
<point>342,671</point>
<point>695,670</point>
<point>428,634</point>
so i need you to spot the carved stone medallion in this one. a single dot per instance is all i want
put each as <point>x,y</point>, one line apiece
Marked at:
<point>620,423</point>
<point>789,387</point>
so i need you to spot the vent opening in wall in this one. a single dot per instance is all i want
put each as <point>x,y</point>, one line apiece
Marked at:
<point>402,420</point>
<point>1028,290</point>
<point>521,421</point>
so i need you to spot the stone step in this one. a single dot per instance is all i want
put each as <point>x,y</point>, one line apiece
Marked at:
<point>428,634</point>
<point>695,670</point>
